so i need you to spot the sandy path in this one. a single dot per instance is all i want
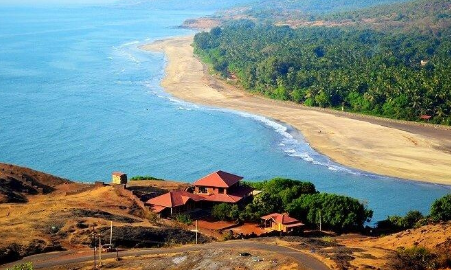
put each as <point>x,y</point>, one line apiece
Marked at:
<point>356,143</point>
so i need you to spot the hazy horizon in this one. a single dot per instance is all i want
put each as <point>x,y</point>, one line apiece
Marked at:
<point>53,2</point>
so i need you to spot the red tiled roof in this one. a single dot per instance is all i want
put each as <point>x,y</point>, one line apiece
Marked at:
<point>218,179</point>
<point>221,198</point>
<point>118,173</point>
<point>237,195</point>
<point>157,208</point>
<point>282,219</point>
<point>174,198</point>
<point>292,225</point>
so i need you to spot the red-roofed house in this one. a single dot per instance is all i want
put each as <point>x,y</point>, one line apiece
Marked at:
<point>221,187</point>
<point>281,222</point>
<point>174,202</point>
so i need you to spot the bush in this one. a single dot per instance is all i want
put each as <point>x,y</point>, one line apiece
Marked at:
<point>184,218</point>
<point>145,177</point>
<point>23,266</point>
<point>225,211</point>
<point>416,258</point>
<point>398,223</point>
<point>412,219</point>
<point>441,209</point>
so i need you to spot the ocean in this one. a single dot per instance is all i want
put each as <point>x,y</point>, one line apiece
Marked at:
<point>80,100</point>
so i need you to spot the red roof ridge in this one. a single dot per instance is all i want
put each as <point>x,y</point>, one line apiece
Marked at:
<point>280,218</point>
<point>218,179</point>
<point>174,198</point>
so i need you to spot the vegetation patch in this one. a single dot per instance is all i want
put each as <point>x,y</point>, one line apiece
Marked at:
<point>184,218</point>
<point>302,201</point>
<point>397,223</point>
<point>420,258</point>
<point>400,75</point>
<point>145,177</point>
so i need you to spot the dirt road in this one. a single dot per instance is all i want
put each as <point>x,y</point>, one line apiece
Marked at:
<point>43,261</point>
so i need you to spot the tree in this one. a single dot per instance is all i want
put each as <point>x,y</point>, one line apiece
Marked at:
<point>267,203</point>
<point>286,189</point>
<point>225,211</point>
<point>441,209</point>
<point>221,211</point>
<point>365,70</point>
<point>398,223</point>
<point>412,218</point>
<point>338,213</point>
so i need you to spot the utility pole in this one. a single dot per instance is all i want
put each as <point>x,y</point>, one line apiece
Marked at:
<point>196,231</point>
<point>111,234</point>
<point>320,221</point>
<point>100,251</point>
<point>94,246</point>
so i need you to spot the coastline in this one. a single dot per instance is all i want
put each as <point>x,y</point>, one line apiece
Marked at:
<point>407,152</point>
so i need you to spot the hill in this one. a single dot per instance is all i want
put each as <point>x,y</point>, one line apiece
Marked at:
<point>18,182</point>
<point>389,252</point>
<point>423,16</point>
<point>45,213</point>
<point>273,10</point>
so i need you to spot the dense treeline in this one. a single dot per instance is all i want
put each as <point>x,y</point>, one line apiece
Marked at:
<point>402,76</point>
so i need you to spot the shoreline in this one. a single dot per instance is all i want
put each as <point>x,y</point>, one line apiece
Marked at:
<point>395,149</point>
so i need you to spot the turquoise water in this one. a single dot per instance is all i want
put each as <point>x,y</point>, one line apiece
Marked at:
<point>78,99</point>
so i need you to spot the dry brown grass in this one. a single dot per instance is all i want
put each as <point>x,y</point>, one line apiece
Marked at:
<point>35,219</point>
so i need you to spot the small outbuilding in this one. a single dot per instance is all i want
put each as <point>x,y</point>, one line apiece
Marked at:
<point>281,222</point>
<point>425,117</point>
<point>119,178</point>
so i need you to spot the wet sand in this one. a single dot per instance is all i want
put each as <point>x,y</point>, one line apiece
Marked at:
<point>393,148</point>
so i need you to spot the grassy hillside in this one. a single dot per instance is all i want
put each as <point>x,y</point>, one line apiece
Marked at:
<point>426,16</point>
<point>273,10</point>
<point>43,213</point>
<point>17,182</point>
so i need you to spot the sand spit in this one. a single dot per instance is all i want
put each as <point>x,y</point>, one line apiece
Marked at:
<point>382,147</point>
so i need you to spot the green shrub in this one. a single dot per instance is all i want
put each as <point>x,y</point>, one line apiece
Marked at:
<point>23,266</point>
<point>225,211</point>
<point>183,218</point>
<point>441,209</point>
<point>416,258</point>
<point>397,223</point>
<point>145,177</point>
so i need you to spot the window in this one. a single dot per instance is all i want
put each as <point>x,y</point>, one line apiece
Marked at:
<point>202,190</point>
<point>221,190</point>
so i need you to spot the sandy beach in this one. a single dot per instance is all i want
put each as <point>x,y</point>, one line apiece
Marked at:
<point>391,148</point>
